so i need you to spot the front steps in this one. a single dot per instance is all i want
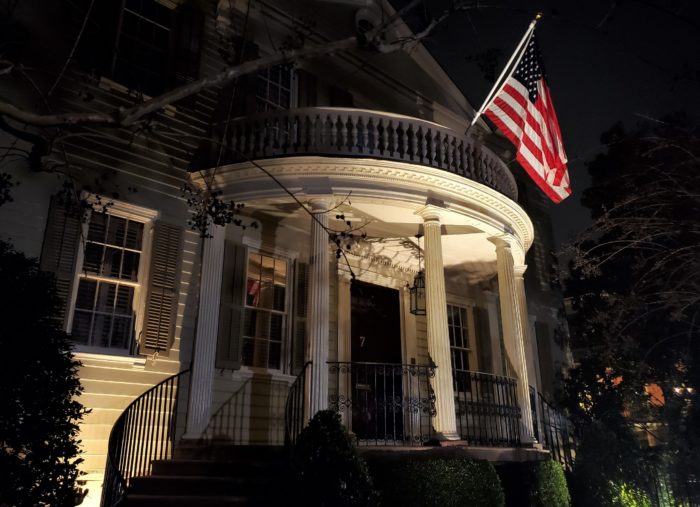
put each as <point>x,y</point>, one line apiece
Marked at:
<point>212,476</point>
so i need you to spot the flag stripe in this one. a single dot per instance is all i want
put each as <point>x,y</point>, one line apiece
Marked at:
<point>523,111</point>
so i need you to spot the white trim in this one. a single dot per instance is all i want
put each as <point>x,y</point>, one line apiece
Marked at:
<point>83,352</point>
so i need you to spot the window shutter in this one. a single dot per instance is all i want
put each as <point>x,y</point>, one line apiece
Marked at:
<point>161,302</point>
<point>60,249</point>
<point>231,306</point>
<point>299,325</point>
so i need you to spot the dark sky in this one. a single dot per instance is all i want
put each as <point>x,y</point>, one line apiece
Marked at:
<point>607,61</point>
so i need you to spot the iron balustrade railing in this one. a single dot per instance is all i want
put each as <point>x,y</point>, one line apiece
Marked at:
<point>144,432</point>
<point>552,429</point>
<point>295,408</point>
<point>383,404</point>
<point>367,134</point>
<point>487,409</point>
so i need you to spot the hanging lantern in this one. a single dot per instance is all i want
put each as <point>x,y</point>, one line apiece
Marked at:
<point>418,289</point>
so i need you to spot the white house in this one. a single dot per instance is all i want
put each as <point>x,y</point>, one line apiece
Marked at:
<point>357,143</point>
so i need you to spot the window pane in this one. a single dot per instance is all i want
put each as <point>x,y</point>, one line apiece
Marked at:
<point>98,227</point>
<point>280,272</point>
<point>121,332</point>
<point>276,327</point>
<point>105,297</point>
<point>268,269</point>
<point>265,296</point>
<point>102,326</point>
<point>112,262</point>
<point>125,296</point>
<point>274,353</point>
<point>86,294</point>
<point>130,266</point>
<point>81,326</point>
<point>252,292</point>
<point>116,231</point>
<point>92,259</point>
<point>279,298</point>
<point>134,235</point>
<point>248,351</point>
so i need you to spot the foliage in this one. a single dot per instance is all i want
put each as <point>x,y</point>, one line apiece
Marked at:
<point>207,208</point>
<point>439,483</point>
<point>327,468</point>
<point>634,285</point>
<point>535,484</point>
<point>38,386</point>
<point>627,496</point>
<point>549,486</point>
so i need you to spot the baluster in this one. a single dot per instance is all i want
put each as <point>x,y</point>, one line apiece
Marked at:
<point>392,140</point>
<point>318,134</point>
<point>437,151</point>
<point>342,134</point>
<point>411,142</point>
<point>376,138</point>
<point>302,133</point>
<point>328,137</point>
<point>352,134</point>
<point>364,135</point>
<point>311,136</point>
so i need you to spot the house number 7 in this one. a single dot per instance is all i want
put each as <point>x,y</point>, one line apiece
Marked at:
<point>362,341</point>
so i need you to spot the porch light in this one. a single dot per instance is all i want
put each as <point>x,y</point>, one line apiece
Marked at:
<point>418,289</point>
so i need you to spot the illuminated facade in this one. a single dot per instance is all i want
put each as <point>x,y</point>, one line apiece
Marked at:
<point>363,144</point>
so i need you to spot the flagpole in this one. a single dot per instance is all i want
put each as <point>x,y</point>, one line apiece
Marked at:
<point>500,82</point>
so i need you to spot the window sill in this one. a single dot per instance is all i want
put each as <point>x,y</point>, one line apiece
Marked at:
<point>82,352</point>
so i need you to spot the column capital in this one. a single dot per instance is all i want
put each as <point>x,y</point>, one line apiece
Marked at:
<point>431,213</point>
<point>321,203</point>
<point>520,270</point>
<point>501,242</point>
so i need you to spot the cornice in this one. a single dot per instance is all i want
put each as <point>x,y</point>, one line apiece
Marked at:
<point>395,180</point>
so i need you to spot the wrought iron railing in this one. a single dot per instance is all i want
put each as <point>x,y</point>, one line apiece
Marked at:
<point>295,408</point>
<point>552,429</point>
<point>487,409</point>
<point>383,403</point>
<point>144,432</point>
<point>367,134</point>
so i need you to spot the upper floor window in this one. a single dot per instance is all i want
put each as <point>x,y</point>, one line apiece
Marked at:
<point>458,328</point>
<point>107,282</point>
<point>274,88</point>
<point>265,311</point>
<point>145,45</point>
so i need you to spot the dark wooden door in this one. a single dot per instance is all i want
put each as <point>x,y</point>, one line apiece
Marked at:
<point>376,379</point>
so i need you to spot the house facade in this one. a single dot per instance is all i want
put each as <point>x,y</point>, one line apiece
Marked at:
<point>380,267</point>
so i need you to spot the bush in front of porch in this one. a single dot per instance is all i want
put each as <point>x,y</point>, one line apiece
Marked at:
<point>534,484</point>
<point>327,468</point>
<point>438,482</point>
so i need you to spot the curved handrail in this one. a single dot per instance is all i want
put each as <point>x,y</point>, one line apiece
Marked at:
<point>295,407</point>
<point>369,134</point>
<point>144,431</point>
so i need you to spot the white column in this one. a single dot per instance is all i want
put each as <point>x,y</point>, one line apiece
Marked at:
<point>445,422</point>
<point>318,308</point>
<point>344,347</point>
<point>514,329</point>
<point>204,355</point>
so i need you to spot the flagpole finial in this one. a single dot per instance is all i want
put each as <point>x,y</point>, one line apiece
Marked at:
<point>538,16</point>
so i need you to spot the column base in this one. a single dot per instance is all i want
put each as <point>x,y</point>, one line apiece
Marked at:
<point>447,437</point>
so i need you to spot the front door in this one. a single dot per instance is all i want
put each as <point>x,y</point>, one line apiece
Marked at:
<point>376,380</point>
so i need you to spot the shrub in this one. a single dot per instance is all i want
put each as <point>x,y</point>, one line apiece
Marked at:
<point>38,385</point>
<point>439,483</point>
<point>327,468</point>
<point>549,488</point>
<point>535,484</point>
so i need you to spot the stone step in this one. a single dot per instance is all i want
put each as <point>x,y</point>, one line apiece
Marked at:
<point>213,468</point>
<point>184,501</point>
<point>201,485</point>
<point>229,452</point>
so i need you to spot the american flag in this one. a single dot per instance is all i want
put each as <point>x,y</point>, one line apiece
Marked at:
<point>523,111</point>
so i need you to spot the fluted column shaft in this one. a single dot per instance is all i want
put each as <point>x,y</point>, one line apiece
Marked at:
<point>514,333</point>
<point>204,354</point>
<point>317,349</point>
<point>445,422</point>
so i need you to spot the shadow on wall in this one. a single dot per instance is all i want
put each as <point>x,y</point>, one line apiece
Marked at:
<point>253,414</point>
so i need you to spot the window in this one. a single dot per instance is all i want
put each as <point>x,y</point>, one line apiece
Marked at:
<point>108,282</point>
<point>458,329</point>
<point>265,311</point>
<point>143,45</point>
<point>273,88</point>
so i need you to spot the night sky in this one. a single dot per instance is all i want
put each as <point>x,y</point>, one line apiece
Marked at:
<point>606,61</point>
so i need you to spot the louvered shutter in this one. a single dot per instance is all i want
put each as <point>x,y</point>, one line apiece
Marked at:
<point>162,296</point>
<point>60,249</point>
<point>299,324</point>
<point>228,353</point>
